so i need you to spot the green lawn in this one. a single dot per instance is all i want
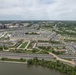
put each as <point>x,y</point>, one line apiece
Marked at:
<point>23,45</point>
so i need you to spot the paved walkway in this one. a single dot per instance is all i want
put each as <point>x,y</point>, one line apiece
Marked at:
<point>27,45</point>
<point>20,45</point>
<point>34,45</point>
<point>63,60</point>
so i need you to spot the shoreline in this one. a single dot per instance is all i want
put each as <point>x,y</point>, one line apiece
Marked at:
<point>14,62</point>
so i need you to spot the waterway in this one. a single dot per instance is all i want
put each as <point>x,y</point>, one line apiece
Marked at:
<point>23,69</point>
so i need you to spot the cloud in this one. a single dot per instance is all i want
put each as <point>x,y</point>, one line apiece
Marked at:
<point>38,9</point>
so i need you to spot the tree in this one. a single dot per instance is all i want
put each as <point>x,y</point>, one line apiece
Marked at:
<point>29,62</point>
<point>22,60</point>
<point>33,50</point>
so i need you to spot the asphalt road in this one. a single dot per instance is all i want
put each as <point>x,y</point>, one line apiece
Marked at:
<point>30,56</point>
<point>67,56</point>
<point>25,56</point>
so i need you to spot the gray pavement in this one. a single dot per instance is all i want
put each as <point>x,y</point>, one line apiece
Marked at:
<point>30,56</point>
<point>25,56</point>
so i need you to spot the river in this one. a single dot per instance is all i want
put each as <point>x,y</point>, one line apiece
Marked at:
<point>23,69</point>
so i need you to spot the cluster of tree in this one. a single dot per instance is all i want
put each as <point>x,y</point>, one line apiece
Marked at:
<point>34,50</point>
<point>69,40</point>
<point>3,47</point>
<point>55,42</point>
<point>44,48</point>
<point>68,24</point>
<point>18,51</point>
<point>52,64</point>
<point>64,32</point>
<point>57,52</point>
<point>42,41</point>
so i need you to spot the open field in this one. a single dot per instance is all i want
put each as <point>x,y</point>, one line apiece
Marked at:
<point>23,45</point>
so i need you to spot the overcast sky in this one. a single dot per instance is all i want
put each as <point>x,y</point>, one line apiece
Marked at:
<point>37,9</point>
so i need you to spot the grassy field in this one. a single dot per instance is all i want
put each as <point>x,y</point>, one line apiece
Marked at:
<point>18,43</point>
<point>43,52</point>
<point>23,45</point>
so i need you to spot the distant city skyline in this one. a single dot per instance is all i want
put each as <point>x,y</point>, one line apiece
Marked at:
<point>37,9</point>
